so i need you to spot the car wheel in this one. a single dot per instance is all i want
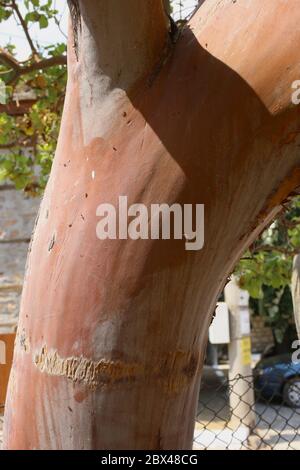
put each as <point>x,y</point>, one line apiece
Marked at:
<point>291,392</point>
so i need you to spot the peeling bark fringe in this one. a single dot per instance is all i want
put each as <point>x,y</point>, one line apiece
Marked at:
<point>175,371</point>
<point>76,24</point>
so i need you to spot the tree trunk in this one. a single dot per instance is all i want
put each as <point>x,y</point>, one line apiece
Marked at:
<point>296,291</point>
<point>112,334</point>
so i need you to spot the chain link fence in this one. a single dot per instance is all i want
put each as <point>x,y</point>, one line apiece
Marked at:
<point>259,412</point>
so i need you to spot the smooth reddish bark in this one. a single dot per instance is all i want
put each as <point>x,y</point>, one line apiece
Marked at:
<point>112,334</point>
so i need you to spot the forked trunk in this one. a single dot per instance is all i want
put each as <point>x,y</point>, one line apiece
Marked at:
<point>112,333</point>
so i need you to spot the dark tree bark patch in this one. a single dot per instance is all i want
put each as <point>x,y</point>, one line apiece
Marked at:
<point>76,24</point>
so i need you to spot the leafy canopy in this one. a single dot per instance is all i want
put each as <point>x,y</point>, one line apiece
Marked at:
<point>35,91</point>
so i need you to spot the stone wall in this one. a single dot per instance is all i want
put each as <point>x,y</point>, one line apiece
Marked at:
<point>17,215</point>
<point>261,335</point>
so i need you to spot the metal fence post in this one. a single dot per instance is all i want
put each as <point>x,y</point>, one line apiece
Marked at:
<point>242,390</point>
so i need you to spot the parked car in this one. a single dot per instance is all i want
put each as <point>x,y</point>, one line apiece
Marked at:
<point>278,377</point>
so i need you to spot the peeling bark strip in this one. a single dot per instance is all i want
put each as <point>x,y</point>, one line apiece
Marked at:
<point>76,24</point>
<point>175,371</point>
<point>80,369</point>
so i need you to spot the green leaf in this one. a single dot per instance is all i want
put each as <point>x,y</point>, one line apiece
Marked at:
<point>43,21</point>
<point>32,16</point>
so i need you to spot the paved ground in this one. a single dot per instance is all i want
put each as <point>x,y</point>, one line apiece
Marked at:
<point>272,432</point>
<point>277,426</point>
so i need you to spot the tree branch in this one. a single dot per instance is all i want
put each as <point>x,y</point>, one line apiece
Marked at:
<point>19,70</point>
<point>9,145</point>
<point>132,37</point>
<point>43,64</point>
<point>269,248</point>
<point>7,59</point>
<point>25,28</point>
<point>24,143</point>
